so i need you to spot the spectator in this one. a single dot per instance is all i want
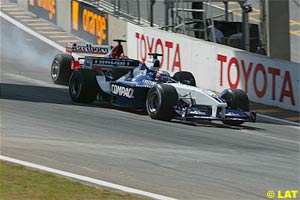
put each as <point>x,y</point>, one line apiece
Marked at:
<point>218,33</point>
<point>236,40</point>
<point>260,49</point>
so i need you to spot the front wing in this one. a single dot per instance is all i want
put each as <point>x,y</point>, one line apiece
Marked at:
<point>196,114</point>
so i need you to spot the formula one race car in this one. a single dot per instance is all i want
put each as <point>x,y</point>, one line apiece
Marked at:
<point>63,64</point>
<point>143,87</point>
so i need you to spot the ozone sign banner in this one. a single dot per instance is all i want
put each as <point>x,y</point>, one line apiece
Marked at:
<point>217,67</point>
<point>44,8</point>
<point>89,23</point>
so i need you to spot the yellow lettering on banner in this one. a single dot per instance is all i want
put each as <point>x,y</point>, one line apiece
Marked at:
<point>95,24</point>
<point>31,2</point>
<point>75,14</point>
<point>101,27</point>
<point>48,5</point>
<point>85,20</point>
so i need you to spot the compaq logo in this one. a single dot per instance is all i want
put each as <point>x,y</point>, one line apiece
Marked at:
<point>122,91</point>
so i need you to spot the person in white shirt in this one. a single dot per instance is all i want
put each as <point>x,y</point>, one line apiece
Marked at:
<point>218,34</point>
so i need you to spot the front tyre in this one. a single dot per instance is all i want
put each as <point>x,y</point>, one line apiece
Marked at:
<point>83,86</point>
<point>236,99</point>
<point>160,102</point>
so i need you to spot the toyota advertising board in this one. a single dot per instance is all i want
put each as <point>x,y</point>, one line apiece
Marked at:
<point>217,67</point>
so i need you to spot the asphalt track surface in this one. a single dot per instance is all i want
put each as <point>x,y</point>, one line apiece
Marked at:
<point>40,124</point>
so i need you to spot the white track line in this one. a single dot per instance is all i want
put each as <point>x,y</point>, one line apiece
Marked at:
<point>279,120</point>
<point>86,179</point>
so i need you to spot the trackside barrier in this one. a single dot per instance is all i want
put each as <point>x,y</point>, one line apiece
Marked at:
<point>217,67</point>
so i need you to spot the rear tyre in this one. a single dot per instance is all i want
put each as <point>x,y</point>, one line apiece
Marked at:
<point>61,69</point>
<point>185,77</point>
<point>83,86</point>
<point>236,99</point>
<point>160,102</point>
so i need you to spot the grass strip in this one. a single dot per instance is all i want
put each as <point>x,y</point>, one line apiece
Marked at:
<point>22,183</point>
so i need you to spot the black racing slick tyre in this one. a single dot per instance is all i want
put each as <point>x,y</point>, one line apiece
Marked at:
<point>61,69</point>
<point>185,77</point>
<point>83,86</point>
<point>236,99</point>
<point>160,102</point>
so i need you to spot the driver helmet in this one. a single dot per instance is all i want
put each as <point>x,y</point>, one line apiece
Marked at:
<point>163,76</point>
<point>153,64</point>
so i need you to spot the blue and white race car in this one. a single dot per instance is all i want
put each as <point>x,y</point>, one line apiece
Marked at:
<point>141,86</point>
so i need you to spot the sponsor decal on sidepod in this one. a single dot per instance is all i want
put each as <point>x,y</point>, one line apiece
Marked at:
<point>122,91</point>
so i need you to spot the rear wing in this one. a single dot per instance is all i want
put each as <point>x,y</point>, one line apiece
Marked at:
<point>96,62</point>
<point>88,48</point>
